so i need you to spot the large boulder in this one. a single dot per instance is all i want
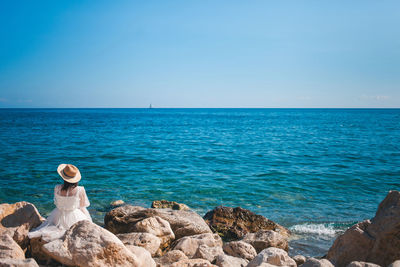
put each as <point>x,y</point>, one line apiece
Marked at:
<point>190,244</point>
<point>165,204</point>
<point>18,263</point>
<point>235,223</point>
<point>230,261</point>
<point>87,244</point>
<point>145,240</point>
<point>158,227</point>
<point>240,249</point>
<point>183,222</point>
<point>18,219</point>
<point>9,248</point>
<point>274,256</point>
<point>208,253</point>
<point>171,257</point>
<point>266,238</point>
<point>312,262</point>
<point>376,241</point>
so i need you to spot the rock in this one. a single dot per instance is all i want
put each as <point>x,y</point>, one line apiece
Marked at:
<point>171,257</point>
<point>165,204</point>
<point>87,244</point>
<point>18,263</point>
<point>344,250</point>
<point>312,262</point>
<point>9,248</point>
<point>235,223</point>
<point>190,244</point>
<point>395,264</point>
<point>240,249</point>
<point>158,227</point>
<point>230,261</point>
<point>35,249</point>
<point>18,219</point>
<point>193,263</point>
<point>376,241</point>
<point>145,240</point>
<point>117,203</point>
<point>182,222</point>
<point>362,264</point>
<point>266,238</point>
<point>299,259</point>
<point>274,256</point>
<point>143,255</point>
<point>208,253</point>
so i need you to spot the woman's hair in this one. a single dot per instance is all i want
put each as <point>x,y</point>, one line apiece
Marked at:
<point>67,185</point>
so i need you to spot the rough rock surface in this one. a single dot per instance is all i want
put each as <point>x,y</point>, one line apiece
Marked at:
<point>183,222</point>
<point>9,248</point>
<point>143,255</point>
<point>193,263</point>
<point>208,253</point>
<point>18,219</point>
<point>235,223</point>
<point>190,244</point>
<point>18,263</point>
<point>395,264</point>
<point>87,244</point>
<point>274,256</point>
<point>299,259</point>
<point>376,241</point>
<point>171,257</point>
<point>266,238</point>
<point>312,262</point>
<point>240,249</point>
<point>165,204</point>
<point>145,240</point>
<point>158,227</point>
<point>36,250</point>
<point>230,261</point>
<point>362,264</point>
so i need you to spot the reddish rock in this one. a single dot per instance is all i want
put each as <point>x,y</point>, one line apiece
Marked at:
<point>235,223</point>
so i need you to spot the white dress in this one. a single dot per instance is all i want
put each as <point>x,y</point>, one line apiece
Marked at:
<point>70,208</point>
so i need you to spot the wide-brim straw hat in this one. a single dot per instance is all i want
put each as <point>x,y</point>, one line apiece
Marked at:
<point>69,173</point>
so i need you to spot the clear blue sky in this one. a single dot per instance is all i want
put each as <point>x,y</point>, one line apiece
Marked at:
<point>200,53</point>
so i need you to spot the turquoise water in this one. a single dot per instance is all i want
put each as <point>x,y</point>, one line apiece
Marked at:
<point>313,170</point>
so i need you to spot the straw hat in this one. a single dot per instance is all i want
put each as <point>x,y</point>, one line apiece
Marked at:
<point>69,173</point>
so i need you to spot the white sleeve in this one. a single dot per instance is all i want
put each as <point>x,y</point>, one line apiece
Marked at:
<point>56,191</point>
<point>84,201</point>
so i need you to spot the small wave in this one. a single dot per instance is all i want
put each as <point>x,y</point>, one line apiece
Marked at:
<point>326,229</point>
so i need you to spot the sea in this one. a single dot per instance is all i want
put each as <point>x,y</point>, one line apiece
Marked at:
<point>314,171</point>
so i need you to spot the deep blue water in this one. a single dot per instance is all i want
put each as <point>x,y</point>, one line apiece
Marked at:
<point>313,170</point>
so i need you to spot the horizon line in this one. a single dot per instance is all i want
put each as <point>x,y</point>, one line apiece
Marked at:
<point>200,108</point>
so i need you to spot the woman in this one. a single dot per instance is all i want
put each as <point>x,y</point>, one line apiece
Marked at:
<point>71,202</point>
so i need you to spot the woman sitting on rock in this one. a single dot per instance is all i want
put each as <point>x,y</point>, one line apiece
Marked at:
<point>71,202</point>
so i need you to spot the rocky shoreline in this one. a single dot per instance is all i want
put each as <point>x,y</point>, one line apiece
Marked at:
<point>170,234</point>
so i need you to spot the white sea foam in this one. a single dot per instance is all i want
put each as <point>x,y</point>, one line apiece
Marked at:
<point>326,229</point>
